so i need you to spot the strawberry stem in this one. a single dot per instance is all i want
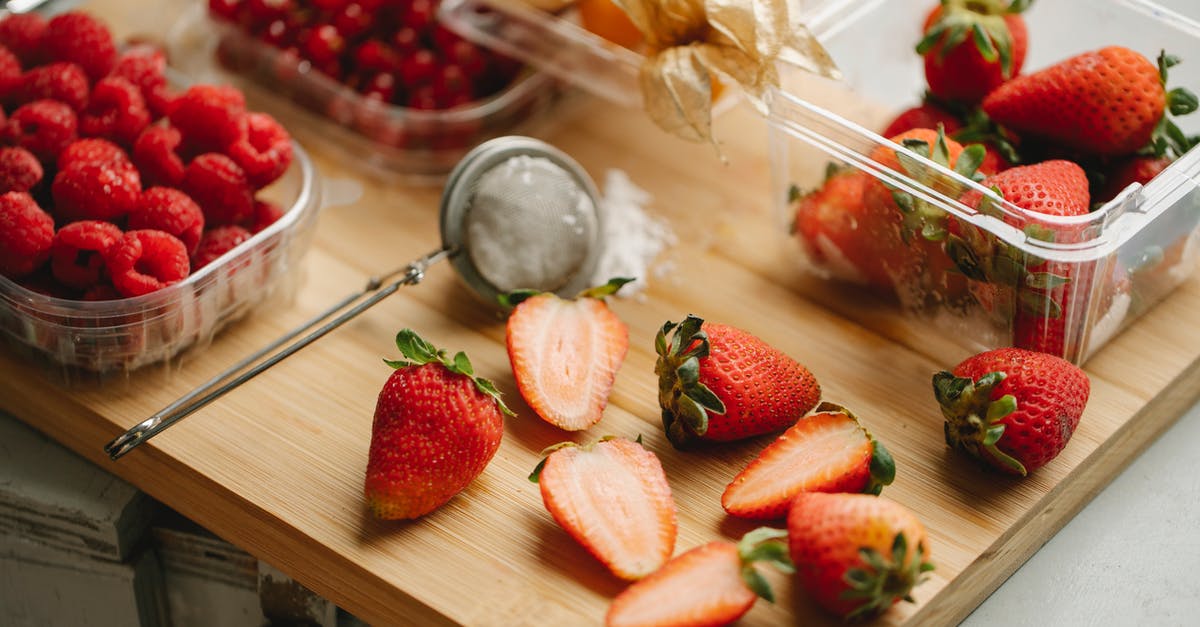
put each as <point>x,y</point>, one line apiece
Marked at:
<point>881,581</point>
<point>420,352</point>
<point>600,292</point>
<point>765,544</point>
<point>974,422</point>
<point>685,401</point>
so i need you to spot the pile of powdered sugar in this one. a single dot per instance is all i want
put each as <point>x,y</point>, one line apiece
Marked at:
<point>632,239</point>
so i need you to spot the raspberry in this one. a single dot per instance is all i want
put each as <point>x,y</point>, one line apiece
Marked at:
<point>64,82</point>
<point>101,291</point>
<point>20,171</point>
<point>265,152</point>
<point>219,186</point>
<point>265,214</point>
<point>95,191</point>
<point>154,154</point>
<point>217,242</point>
<point>171,211</point>
<point>145,66</point>
<point>43,127</point>
<point>146,261</point>
<point>91,150</point>
<point>77,253</point>
<point>25,235</point>
<point>22,34</point>
<point>210,117</point>
<point>10,74</point>
<point>77,37</point>
<point>115,111</point>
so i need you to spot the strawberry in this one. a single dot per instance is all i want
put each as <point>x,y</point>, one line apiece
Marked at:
<point>436,427</point>
<point>828,451</point>
<point>1108,102</point>
<point>712,584</point>
<point>831,224</point>
<point>719,383</point>
<point>1011,408</point>
<point>565,353</point>
<point>613,498</point>
<point>924,115</point>
<point>970,47</point>
<point>1044,290</point>
<point>917,264</point>
<point>856,554</point>
<point>1138,169</point>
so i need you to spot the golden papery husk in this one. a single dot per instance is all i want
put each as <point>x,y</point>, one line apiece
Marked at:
<point>740,41</point>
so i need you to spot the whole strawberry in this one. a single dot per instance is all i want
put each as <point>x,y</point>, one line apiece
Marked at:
<point>1108,102</point>
<point>1011,408</point>
<point>1046,313</point>
<point>436,427</point>
<point>972,46</point>
<point>856,554</point>
<point>719,383</point>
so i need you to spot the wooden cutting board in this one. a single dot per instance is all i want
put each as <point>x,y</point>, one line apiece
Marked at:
<point>276,467</point>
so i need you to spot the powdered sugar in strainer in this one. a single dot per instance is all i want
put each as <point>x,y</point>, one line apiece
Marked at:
<point>516,213</point>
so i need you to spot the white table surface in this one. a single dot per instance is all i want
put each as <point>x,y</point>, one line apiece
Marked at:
<point>1130,557</point>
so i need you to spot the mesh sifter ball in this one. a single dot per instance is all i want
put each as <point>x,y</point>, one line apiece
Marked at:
<point>516,213</point>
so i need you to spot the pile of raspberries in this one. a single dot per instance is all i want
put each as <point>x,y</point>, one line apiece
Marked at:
<point>111,186</point>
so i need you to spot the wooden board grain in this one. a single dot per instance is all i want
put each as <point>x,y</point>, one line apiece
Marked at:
<point>276,467</point>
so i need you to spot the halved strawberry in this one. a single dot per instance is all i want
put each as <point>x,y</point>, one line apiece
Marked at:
<point>712,584</point>
<point>827,452</point>
<point>565,353</point>
<point>613,498</point>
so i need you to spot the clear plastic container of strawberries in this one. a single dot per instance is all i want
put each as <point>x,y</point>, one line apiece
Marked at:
<point>1017,173</point>
<point>380,80</point>
<point>136,218</point>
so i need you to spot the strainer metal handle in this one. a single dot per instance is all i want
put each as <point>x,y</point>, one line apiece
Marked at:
<point>377,288</point>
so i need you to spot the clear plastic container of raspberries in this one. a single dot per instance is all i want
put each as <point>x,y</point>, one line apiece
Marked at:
<point>1059,201</point>
<point>384,83</point>
<point>136,218</point>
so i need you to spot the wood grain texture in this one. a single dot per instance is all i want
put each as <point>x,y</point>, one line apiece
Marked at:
<point>276,467</point>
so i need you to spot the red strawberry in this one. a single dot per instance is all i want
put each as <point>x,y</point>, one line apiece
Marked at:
<point>712,584</point>
<point>828,451</point>
<point>1106,103</point>
<point>924,115</point>
<point>831,224</point>
<point>719,383</point>
<point>1139,169</point>
<point>436,427</point>
<point>856,554</point>
<point>917,263</point>
<point>973,46</point>
<point>1011,408</point>
<point>1044,289</point>
<point>565,354</point>
<point>613,498</point>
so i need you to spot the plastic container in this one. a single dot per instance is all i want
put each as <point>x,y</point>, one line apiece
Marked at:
<point>385,140</point>
<point>1117,261</point>
<point>125,334</point>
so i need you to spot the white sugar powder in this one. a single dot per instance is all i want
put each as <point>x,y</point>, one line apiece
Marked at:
<point>632,238</point>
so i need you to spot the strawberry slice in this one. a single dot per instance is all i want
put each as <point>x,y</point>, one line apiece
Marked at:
<point>613,498</point>
<point>565,353</point>
<point>712,584</point>
<point>826,452</point>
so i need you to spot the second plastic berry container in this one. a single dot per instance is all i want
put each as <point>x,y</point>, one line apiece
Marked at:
<point>125,334</point>
<point>1064,285</point>
<point>384,140</point>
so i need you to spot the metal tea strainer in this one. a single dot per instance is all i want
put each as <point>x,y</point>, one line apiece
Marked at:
<point>516,213</point>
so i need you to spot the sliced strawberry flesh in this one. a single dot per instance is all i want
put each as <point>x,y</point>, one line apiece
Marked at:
<point>565,356</point>
<point>614,499</point>
<point>822,453</point>
<point>700,587</point>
